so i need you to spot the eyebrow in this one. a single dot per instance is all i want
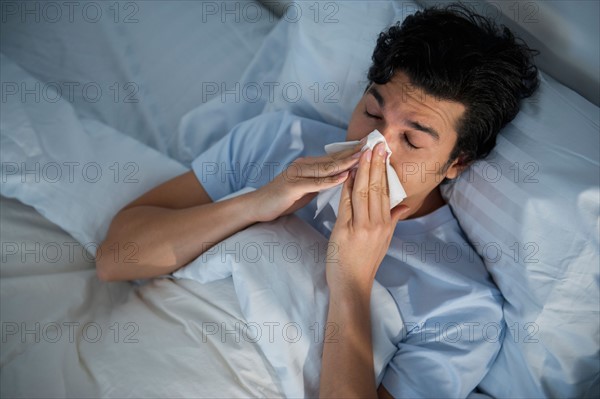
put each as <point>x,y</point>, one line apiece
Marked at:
<point>415,125</point>
<point>375,93</point>
<point>432,132</point>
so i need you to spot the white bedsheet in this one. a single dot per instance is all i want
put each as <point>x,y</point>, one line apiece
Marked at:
<point>278,271</point>
<point>137,66</point>
<point>157,339</point>
<point>66,334</point>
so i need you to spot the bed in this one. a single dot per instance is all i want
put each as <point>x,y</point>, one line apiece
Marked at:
<point>101,102</point>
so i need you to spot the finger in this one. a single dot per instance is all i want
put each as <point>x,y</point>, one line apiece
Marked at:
<point>345,213</point>
<point>400,212</point>
<point>385,199</point>
<point>338,155</point>
<point>360,191</point>
<point>334,166</point>
<point>348,151</point>
<point>377,183</point>
<point>315,184</point>
<point>320,167</point>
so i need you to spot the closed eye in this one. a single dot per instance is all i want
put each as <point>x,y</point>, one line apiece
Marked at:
<point>408,142</point>
<point>369,115</point>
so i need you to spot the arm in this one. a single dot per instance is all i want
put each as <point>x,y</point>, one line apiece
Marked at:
<point>362,235</point>
<point>176,222</point>
<point>437,358</point>
<point>168,227</point>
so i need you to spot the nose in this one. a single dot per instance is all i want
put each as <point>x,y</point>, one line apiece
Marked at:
<point>387,134</point>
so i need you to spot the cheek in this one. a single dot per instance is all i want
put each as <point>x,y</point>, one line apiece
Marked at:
<point>359,125</point>
<point>416,177</point>
<point>356,129</point>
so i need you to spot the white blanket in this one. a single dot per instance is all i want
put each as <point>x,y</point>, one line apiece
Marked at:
<point>278,271</point>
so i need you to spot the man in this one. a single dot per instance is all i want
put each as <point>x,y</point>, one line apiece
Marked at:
<point>441,87</point>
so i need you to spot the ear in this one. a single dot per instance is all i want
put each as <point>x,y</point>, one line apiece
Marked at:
<point>457,167</point>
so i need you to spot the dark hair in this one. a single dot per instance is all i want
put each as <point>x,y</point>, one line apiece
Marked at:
<point>456,55</point>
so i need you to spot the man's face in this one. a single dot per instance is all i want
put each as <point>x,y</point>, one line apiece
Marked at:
<point>420,130</point>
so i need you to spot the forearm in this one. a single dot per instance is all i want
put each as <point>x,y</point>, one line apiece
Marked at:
<point>347,366</point>
<point>362,235</point>
<point>147,241</point>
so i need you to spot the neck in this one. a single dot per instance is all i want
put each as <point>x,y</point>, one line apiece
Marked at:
<point>432,202</point>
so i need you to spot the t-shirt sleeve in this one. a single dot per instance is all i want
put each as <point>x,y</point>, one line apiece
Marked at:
<point>250,155</point>
<point>452,313</point>
<point>449,354</point>
<point>257,150</point>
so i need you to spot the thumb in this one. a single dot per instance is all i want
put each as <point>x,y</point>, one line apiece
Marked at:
<point>345,206</point>
<point>400,212</point>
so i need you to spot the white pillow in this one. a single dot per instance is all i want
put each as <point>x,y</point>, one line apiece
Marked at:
<point>152,61</point>
<point>313,63</point>
<point>331,46</point>
<point>278,271</point>
<point>219,115</point>
<point>531,209</point>
<point>76,172</point>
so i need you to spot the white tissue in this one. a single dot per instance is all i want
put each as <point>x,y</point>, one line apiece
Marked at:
<point>332,195</point>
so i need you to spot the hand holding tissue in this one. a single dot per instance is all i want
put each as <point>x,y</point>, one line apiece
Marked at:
<point>332,195</point>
